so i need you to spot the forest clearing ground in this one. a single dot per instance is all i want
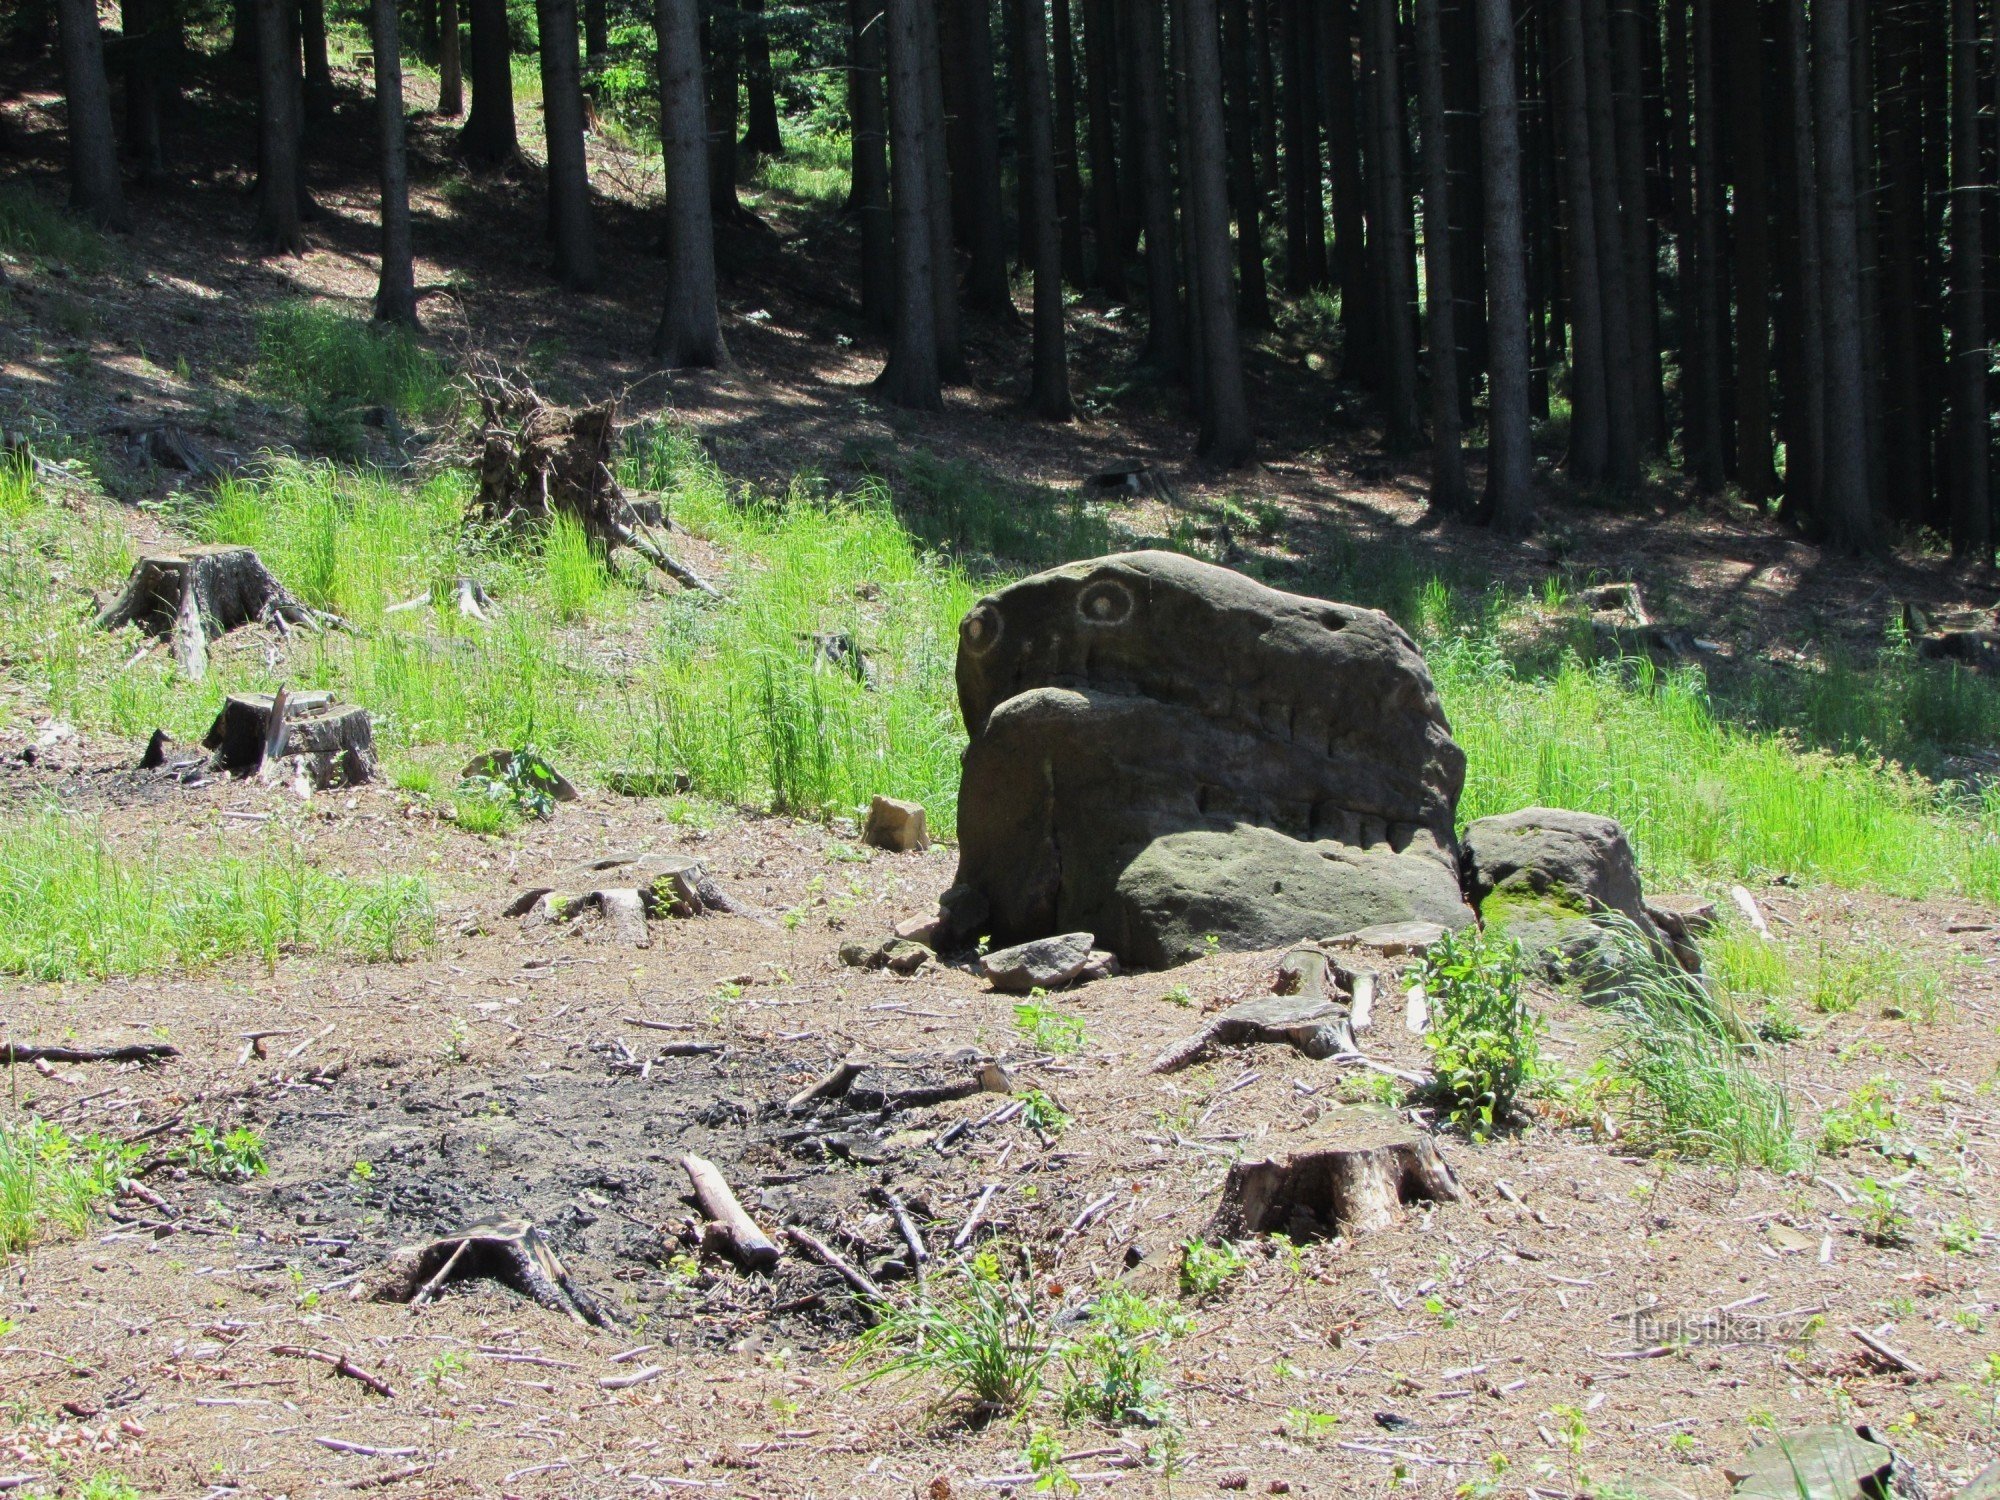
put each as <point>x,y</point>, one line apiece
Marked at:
<point>403,1097</point>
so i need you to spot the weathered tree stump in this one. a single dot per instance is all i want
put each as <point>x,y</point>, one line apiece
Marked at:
<point>334,743</point>
<point>1368,1164</point>
<point>198,593</point>
<point>511,1251</point>
<point>539,461</point>
<point>1301,1014</point>
<point>649,886</point>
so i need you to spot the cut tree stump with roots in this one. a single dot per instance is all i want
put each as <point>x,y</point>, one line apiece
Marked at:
<point>1368,1164</point>
<point>333,744</point>
<point>1301,1013</point>
<point>192,596</point>
<point>649,886</point>
<point>538,461</point>
<point>511,1251</point>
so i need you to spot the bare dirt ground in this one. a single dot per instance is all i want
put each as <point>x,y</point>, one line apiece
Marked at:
<point>509,1069</point>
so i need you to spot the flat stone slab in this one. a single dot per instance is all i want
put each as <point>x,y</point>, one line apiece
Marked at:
<point>1395,938</point>
<point>1044,964</point>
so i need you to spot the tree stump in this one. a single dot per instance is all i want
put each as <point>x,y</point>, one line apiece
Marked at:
<point>539,461</point>
<point>650,886</point>
<point>1352,1182</point>
<point>193,595</point>
<point>509,1250</point>
<point>1301,1014</point>
<point>334,743</point>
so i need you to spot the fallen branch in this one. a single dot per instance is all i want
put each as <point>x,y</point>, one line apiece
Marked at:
<point>340,1364</point>
<point>342,1445</point>
<point>749,1245</point>
<point>964,1236</point>
<point>833,1260</point>
<point>912,1236</point>
<point>626,1382</point>
<point>830,1085</point>
<point>1888,1353</point>
<point>141,1052</point>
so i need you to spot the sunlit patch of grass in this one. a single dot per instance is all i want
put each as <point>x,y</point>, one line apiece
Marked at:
<point>35,229</point>
<point>1825,968</point>
<point>74,905</point>
<point>335,365</point>
<point>573,570</point>
<point>814,166</point>
<point>52,1185</point>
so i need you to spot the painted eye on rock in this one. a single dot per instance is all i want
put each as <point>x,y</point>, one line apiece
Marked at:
<point>980,630</point>
<point>1104,603</point>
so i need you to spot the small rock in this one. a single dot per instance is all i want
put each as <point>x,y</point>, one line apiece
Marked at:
<point>859,955</point>
<point>896,826</point>
<point>1392,939</point>
<point>901,956</point>
<point>920,930</point>
<point>1102,964</point>
<point>1280,1487</point>
<point>1043,964</point>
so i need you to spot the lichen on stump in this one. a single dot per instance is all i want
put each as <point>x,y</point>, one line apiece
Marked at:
<point>1366,1164</point>
<point>538,461</point>
<point>193,595</point>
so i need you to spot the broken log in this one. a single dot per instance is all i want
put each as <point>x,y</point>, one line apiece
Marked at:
<point>334,743</point>
<point>140,1052</point>
<point>1369,1163</point>
<point>191,596</point>
<point>734,1229</point>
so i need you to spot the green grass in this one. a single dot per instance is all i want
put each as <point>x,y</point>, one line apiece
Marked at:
<point>977,1337</point>
<point>34,229</point>
<point>814,166</point>
<point>72,904</point>
<point>52,1185</point>
<point>335,364</point>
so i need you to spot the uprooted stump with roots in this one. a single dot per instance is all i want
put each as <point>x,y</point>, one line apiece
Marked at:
<point>193,595</point>
<point>538,461</point>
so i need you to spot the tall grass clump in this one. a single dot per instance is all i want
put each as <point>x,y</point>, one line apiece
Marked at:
<point>979,1337</point>
<point>52,1184</point>
<point>33,228</point>
<point>814,166</point>
<point>1677,1074</point>
<point>334,363</point>
<point>72,905</point>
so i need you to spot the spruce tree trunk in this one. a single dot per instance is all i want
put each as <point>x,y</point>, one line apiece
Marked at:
<point>318,69</point>
<point>1844,514</point>
<point>488,138</point>
<point>1589,433</point>
<point>1705,445</point>
<point>1395,259</point>
<point>280,224</point>
<point>596,35</point>
<point>145,54</point>
<point>1630,21</point>
<point>451,74</point>
<point>690,331</point>
<point>1069,185</point>
<point>562,122</point>
<point>1343,145</point>
<point>1972,521</point>
<point>1048,395</point>
<point>1309,72</point>
<point>95,189</point>
<point>1224,439</point>
<point>1749,120</point>
<point>869,128</point>
<point>1166,338</point>
<point>1804,488</point>
<point>1098,44</point>
<point>976,100</point>
<point>396,291</point>
<point>1615,315</point>
<point>910,378</point>
<point>1510,501</point>
<point>1245,200</point>
<point>761,136</point>
<point>937,202</point>
<point>723,58</point>
<point>1451,492</point>
<point>1905,436</point>
<point>1297,172</point>
<point>1267,98</point>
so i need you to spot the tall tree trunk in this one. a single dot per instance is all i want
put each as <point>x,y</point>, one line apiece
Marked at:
<point>1312,104</point>
<point>1069,185</point>
<point>911,377</point>
<point>1395,263</point>
<point>596,35</point>
<point>724,63</point>
<point>1510,500</point>
<point>1343,147</point>
<point>1298,169</point>
<point>488,138</point>
<point>1451,492</point>
<point>562,123</point>
<point>690,331</point>
<point>280,222</point>
<point>1705,445</point>
<point>1844,515</point>
<point>1630,21</point>
<point>1589,431</point>
<point>1099,43</point>
<point>1166,338</point>
<point>396,291</point>
<point>1048,395</point>
<point>1972,519</point>
<point>451,76</point>
<point>145,52</point>
<point>761,136</point>
<point>1254,302</point>
<point>868,125</point>
<point>1267,97</point>
<point>1621,414</point>
<point>319,69</point>
<point>95,189</point>
<point>984,231</point>
<point>1749,119</point>
<point>1224,439</point>
<point>937,202</point>
<point>1804,488</point>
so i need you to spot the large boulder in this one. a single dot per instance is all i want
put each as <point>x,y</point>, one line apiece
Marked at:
<point>1545,877</point>
<point>1176,758</point>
